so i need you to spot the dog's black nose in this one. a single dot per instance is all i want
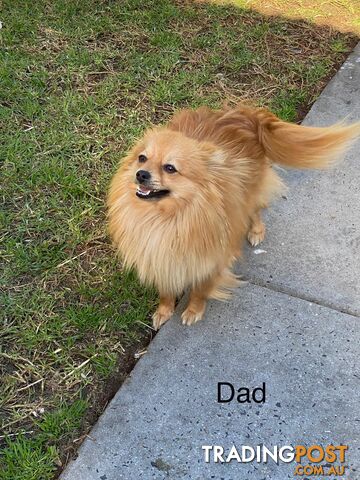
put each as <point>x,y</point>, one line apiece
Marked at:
<point>142,176</point>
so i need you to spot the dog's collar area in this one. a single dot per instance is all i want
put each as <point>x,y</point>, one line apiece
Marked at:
<point>147,193</point>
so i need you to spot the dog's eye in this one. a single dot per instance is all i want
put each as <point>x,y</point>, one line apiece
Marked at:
<point>142,158</point>
<point>169,168</point>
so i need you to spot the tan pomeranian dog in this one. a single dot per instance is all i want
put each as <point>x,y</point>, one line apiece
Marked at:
<point>189,193</point>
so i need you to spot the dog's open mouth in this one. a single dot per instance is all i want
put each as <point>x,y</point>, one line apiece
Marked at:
<point>146,192</point>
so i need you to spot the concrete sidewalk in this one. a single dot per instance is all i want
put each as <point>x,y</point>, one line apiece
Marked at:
<point>294,326</point>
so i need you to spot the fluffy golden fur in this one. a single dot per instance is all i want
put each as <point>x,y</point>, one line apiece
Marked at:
<point>189,193</point>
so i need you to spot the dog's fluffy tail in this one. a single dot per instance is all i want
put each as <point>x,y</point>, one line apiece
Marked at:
<point>299,146</point>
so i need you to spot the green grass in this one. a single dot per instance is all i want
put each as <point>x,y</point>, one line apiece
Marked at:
<point>28,459</point>
<point>38,458</point>
<point>79,82</point>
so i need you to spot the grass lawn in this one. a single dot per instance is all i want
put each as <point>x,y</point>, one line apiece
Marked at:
<point>79,81</point>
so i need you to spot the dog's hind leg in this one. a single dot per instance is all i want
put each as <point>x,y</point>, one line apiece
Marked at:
<point>271,187</point>
<point>256,232</point>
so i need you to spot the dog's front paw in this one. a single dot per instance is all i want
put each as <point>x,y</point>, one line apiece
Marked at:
<point>190,315</point>
<point>161,316</point>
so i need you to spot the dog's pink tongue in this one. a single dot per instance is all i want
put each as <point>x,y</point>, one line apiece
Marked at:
<point>144,189</point>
